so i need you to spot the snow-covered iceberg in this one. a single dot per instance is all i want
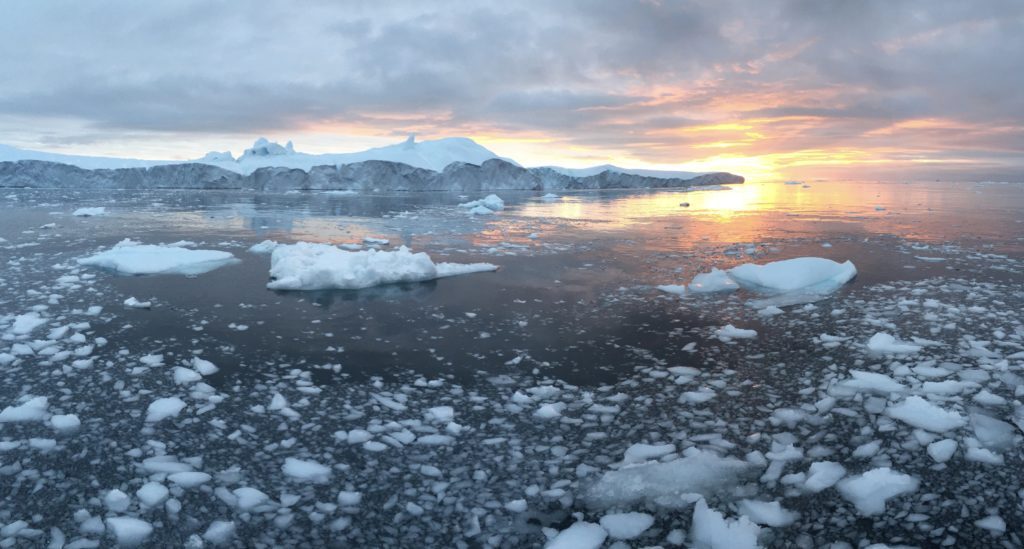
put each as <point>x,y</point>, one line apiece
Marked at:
<point>309,266</point>
<point>130,257</point>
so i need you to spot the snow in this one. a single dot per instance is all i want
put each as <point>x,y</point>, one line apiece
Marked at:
<point>89,212</point>
<point>882,342</point>
<point>129,531</point>
<point>487,205</point>
<point>920,413</point>
<point>869,491</point>
<point>711,530</point>
<point>306,470</point>
<point>715,281</point>
<point>581,535</point>
<point>26,323</point>
<point>33,409</point>
<point>807,275</point>
<point>767,513</point>
<point>129,257</point>
<point>308,266</point>
<point>163,408</point>
<point>626,525</point>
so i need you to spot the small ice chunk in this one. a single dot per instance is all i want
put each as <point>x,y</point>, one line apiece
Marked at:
<point>822,475</point>
<point>89,212</point>
<point>869,491</point>
<point>117,501</point>
<point>133,303</point>
<point>152,494</point>
<point>184,376</point>
<point>626,525</point>
<point>204,367</point>
<point>882,342</point>
<point>189,479</point>
<point>220,532</point>
<point>993,523</point>
<point>65,423</point>
<point>673,289</point>
<point>730,332</point>
<point>767,513</point>
<point>264,247</point>
<point>920,413</point>
<point>639,453</point>
<point>163,408</point>
<point>942,450</point>
<point>581,535</point>
<point>306,470</point>
<point>33,409</point>
<point>715,281</point>
<point>129,531</point>
<point>492,203</point>
<point>711,530</point>
<point>26,323</point>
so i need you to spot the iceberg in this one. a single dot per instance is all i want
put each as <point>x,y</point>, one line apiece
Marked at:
<point>810,275</point>
<point>715,281</point>
<point>130,257</point>
<point>310,266</point>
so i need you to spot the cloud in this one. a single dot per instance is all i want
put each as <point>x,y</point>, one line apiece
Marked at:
<point>637,79</point>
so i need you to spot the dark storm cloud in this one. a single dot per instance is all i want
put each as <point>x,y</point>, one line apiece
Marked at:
<point>611,74</point>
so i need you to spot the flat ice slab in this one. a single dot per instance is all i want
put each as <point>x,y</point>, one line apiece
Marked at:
<point>308,266</point>
<point>129,257</point>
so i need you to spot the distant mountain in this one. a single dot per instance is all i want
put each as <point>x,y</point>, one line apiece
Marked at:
<point>430,155</point>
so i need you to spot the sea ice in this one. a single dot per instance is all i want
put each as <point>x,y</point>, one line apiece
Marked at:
<point>89,212</point>
<point>886,343</point>
<point>626,525</point>
<point>711,530</point>
<point>26,323</point>
<point>920,413</point>
<point>33,409</point>
<point>581,535</point>
<point>306,471</point>
<point>163,408</point>
<point>308,266</point>
<point>869,491</point>
<point>730,332</point>
<point>767,513</point>
<point>129,531</point>
<point>129,257</point>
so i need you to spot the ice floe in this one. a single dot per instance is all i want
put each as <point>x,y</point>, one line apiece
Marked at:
<point>130,257</point>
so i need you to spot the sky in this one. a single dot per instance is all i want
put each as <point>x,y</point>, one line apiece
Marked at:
<point>818,89</point>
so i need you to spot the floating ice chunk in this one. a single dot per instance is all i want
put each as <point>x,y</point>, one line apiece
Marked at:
<point>26,323</point>
<point>129,531</point>
<point>306,470</point>
<point>822,475</point>
<point>66,423</point>
<point>767,513</point>
<point>117,501</point>
<point>264,247</point>
<point>993,433</point>
<point>152,494</point>
<point>626,525</point>
<point>639,453</point>
<point>715,281</point>
<point>33,409</point>
<point>873,382</point>
<point>492,203</point>
<point>730,332</point>
<point>810,275</point>
<point>550,411</point>
<point>89,212</point>
<point>942,450</point>
<point>983,455</point>
<point>189,479</point>
<point>204,367</point>
<point>581,535</point>
<point>349,499</point>
<point>133,303</point>
<point>550,197</point>
<point>516,506</point>
<point>711,530</point>
<point>132,258</point>
<point>163,408</point>
<point>307,266</point>
<point>376,241</point>
<point>673,289</point>
<point>700,472</point>
<point>442,414</point>
<point>869,491</point>
<point>993,523</point>
<point>920,413</point>
<point>247,498</point>
<point>220,532</point>
<point>886,343</point>
<point>184,376</point>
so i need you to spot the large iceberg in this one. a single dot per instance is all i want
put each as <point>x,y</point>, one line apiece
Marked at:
<point>130,257</point>
<point>309,266</point>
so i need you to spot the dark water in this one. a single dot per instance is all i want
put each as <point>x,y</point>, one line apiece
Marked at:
<point>572,306</point>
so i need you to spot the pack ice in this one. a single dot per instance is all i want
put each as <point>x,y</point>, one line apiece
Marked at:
<point>310,266</point>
